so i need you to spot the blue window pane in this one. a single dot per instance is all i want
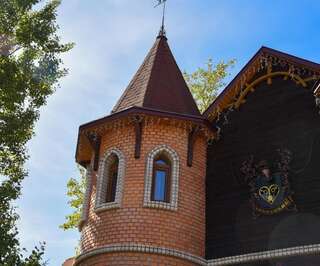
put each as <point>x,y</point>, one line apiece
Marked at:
<point>161,162</point>
<point>160,185</point>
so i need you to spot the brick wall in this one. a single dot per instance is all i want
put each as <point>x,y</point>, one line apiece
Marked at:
<point>182,230</point>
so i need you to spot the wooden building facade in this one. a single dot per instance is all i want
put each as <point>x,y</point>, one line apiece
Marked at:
<point>269,107</point>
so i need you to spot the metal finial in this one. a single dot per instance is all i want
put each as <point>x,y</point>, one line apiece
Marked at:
<point>162,31</point>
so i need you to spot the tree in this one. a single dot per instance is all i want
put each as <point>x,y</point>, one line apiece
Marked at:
<point>76,189</point>
<point>30,68</point>
<point>205,83</point>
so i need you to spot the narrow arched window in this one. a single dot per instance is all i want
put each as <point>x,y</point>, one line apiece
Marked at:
<point>161,179</point>
<point>112,178</point>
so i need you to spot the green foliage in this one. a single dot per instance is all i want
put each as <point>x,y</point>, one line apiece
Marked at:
<point>205,83</point>
<point>35,258</point>
<point>30,68</point>
<point>76,189</point>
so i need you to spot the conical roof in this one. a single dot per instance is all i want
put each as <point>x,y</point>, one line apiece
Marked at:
<point>158,84</point>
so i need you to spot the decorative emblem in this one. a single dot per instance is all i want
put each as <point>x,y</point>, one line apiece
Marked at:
<point>269,194</point>
<point>270,190</point>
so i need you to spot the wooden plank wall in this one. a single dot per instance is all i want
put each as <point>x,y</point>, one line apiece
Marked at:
<point>279,115</point>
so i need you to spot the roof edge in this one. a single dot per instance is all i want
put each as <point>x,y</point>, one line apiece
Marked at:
<point>263,49</point>
<point>135,110</point>
<point>142,110</point>
<point>294,59</point>
<point>216,101</point>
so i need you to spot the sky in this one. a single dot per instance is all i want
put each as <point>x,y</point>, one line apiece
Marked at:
<point>112,38</point>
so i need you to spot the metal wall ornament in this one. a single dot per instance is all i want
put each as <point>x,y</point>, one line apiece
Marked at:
<point>269,189</point>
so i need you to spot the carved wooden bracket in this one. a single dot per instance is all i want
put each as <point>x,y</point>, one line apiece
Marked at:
<point>95,142</point>
<point>138,125</point>
<point>317,96</point>
<point>191,140</point>
<point>317,90</point>
<point>269,71</point>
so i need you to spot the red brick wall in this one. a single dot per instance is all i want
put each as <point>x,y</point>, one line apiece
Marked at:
<point>69,262</point>
<point>183,229</point>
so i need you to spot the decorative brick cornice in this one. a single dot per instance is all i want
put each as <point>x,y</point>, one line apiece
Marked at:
<point>102,182</point>
<point>174,158</point>
<point>232,260</point>
<point>139,248</point>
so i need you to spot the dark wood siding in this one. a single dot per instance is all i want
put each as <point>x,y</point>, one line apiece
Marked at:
<point>308,260</point>
<point>281,115</point>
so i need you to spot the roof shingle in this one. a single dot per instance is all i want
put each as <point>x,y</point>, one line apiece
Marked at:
<point>158,84</point>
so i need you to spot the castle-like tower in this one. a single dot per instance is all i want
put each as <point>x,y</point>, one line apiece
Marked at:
<point>146,164</point>
<point>149,200</point>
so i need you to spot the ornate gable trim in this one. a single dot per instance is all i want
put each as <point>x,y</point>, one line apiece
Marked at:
<point>300,71</point>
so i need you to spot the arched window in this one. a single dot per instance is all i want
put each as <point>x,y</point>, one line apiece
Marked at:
<point>110,180</point>
<point>162,179</point>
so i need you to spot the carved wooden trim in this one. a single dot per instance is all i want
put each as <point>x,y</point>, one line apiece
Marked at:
<point>318,101</point>
<point>317,90</point>
<point>234,101</point>
<point>268,77</point>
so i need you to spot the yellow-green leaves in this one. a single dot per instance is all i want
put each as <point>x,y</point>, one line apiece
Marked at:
<point>205,83</point>
<point>76,189</point>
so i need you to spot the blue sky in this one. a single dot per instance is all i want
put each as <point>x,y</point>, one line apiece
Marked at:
<point>112,37</point>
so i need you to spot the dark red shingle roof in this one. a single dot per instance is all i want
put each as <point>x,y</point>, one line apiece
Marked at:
<point>158,84</point>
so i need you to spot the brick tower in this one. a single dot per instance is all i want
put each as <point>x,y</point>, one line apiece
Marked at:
<point>146,163</point>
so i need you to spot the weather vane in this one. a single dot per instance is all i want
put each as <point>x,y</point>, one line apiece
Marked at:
<point>162,2</point>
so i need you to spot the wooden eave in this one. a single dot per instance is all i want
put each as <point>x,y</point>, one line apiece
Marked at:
<point>244,77</point>
<point>127,114</point>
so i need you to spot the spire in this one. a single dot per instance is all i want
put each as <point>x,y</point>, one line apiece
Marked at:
<point>159,84</point>
<point>162,31</point>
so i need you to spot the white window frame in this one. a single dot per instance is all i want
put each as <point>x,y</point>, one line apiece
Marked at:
<point>102,181</point>
<point>174,186</point>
